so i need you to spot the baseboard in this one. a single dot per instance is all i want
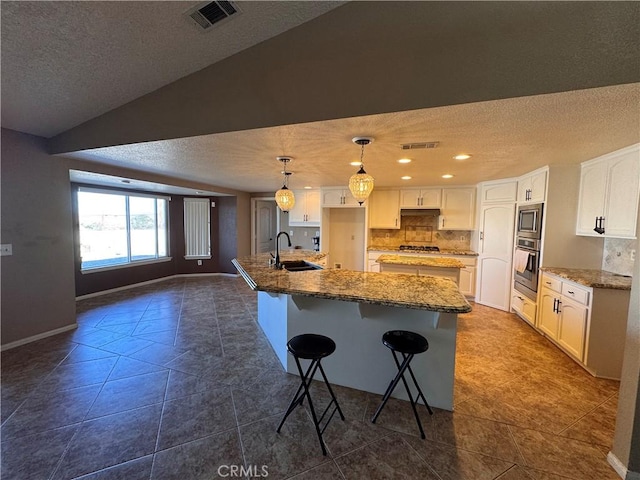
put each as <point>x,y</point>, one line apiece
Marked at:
<point>40,336</point>
<point>620,469</point>
<point>150,282</point>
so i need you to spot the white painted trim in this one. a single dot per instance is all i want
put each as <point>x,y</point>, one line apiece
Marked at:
<point>39,336</point>
<point>155,280</point>
<point>621,469</point>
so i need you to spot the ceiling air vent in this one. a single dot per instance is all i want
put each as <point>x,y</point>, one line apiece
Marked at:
<point>419,145</point>
<point>205,15</point>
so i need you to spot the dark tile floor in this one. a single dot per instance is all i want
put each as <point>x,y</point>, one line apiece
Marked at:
<point>175,380</point>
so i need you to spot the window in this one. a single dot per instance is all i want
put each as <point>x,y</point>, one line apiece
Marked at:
<point>197,228</point>
<point>120,229</point>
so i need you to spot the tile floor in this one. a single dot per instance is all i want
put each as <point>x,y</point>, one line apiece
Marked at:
<point>175,381</point>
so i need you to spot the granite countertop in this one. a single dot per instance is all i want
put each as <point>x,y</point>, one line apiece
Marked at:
<point>592,278</point>
<point>420,261</point>
<point>397,290</point>
<point>443,251</point>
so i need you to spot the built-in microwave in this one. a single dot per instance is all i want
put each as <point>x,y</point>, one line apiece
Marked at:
<point>530,221</point>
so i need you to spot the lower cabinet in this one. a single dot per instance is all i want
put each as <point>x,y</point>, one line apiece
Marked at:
<point>564,321</point>
<point>589,324</point>
<point>523,306</point>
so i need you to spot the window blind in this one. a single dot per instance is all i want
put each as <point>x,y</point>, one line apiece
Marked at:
<point>197,230</point>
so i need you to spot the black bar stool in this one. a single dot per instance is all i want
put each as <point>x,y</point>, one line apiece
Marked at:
<point>310,346</point>
<point>408,344</point>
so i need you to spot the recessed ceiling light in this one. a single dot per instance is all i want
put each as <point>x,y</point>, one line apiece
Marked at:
<point>406,177</point>
<point>404,160</point>
<point>447,175</point>
<point>462,156</point>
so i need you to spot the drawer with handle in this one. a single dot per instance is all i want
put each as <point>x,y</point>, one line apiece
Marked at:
<point>576,293</point>
<point>552,283</point>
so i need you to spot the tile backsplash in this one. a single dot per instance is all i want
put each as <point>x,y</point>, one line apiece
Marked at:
<point>617,255</point>
<point>420,230</point>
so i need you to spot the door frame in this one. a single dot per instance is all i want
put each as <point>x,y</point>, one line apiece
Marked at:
<point>254,207</point>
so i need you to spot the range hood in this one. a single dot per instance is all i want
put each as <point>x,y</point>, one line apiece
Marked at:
<point>424,212</point>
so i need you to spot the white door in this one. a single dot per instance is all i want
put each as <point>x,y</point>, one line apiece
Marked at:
<point>496,251</point>
<point>265,225</point>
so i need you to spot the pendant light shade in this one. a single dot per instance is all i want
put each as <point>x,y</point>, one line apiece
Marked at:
<point>284,197</point>
<point>361,183</point>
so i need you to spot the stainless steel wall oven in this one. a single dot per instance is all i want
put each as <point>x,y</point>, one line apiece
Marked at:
<point>526,263</point>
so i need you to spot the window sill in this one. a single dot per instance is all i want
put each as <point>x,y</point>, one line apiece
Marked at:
<point>127,265</point>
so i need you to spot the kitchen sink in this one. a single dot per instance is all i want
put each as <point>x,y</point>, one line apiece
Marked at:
<point>299,266</point>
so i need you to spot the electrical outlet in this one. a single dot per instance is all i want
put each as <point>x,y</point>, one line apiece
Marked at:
<point>6,249</point>
<point>386,235</point>
<point>337,265</point>
<point>462,238</point>
<point>633,254</point>
<point>291,233</point>
<point>306,234</point>
<point>199,262</point>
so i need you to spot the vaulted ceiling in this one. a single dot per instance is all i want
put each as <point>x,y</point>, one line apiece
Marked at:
<point>515,84</point>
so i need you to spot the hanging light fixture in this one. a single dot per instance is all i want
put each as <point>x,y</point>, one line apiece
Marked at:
<point>361,183</point>
<point>284,197</point>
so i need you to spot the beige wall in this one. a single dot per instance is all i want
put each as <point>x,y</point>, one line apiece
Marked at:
<point>562,247</point>
<point>37,280</point>
<point>626,443</point>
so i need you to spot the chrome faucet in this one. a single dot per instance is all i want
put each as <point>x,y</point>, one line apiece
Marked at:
<point>278,264</point>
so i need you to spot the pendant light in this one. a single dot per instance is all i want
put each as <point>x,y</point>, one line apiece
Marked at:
<point>284,197</point>
<point>361,183</point>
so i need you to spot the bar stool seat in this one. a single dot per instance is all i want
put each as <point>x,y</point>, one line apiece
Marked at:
<point>407,344</point>
<point>314,347</point>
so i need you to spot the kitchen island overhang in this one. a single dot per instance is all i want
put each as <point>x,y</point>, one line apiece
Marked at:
<point>355,309</point>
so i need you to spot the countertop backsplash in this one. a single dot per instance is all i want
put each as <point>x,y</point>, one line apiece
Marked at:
<point>420,230</point>
<point>616,257</point>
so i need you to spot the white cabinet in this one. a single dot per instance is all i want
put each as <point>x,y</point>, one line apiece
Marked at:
<point>306,211</point>
<point>468,281</point>
<point>495,254</point>
<point>338,197</point>
<point>499,192</point>
<point>523,306</point>
<point>564,308</point>
<point>458,209</point>
<point>532,187</point>
<point>384,209</point>
<point>420,198</point>
<point>609,192</point>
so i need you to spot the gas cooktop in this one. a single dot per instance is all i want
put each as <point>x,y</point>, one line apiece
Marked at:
<point>418,248</point>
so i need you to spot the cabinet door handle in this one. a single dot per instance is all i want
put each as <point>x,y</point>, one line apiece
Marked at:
<point>570,292</point>
<point>520,298</point>
<point>555,301</point>
<point>443,223</point>
<point>548,283</point>
<point>396,222</point>
<point>558,307</point>
<point>482,238</point>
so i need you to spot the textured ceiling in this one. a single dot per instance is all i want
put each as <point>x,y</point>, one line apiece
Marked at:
<point>66,62</point>
<point>505,138</point>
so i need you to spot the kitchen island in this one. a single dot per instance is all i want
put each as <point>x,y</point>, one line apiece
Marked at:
<point>355,309</point>
<point>436,266</point>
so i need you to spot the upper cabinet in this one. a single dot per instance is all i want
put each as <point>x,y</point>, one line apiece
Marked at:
<point>499,192</point>
<point>420,198</point>
<point>457,209</point>
<point>533,187</point>
<point>384,209</point>
<point>306,211</point>
<point>609,192</point>
<point>338,197</point>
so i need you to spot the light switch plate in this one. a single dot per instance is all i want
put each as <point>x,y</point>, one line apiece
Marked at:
<point>6,249</point>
